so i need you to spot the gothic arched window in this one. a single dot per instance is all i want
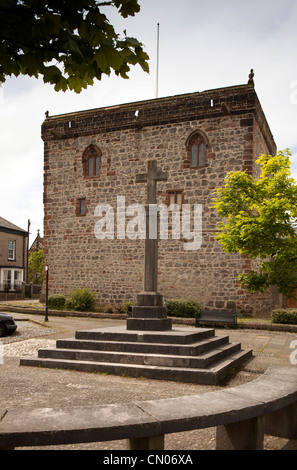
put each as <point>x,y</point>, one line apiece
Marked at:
<point>92,162</point>
<point>197,151</point>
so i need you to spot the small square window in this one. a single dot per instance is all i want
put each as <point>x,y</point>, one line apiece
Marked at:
<point>175,197</point>
<point>81,207</point>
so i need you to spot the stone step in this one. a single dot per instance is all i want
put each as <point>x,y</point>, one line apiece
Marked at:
<point>193,349</point>
<point>149,324</point>
<point>186,354</point>
<point>182,336</point>
<point>167,360</point>
<point>210,376</point>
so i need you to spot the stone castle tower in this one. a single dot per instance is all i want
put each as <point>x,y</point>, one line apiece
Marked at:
<point>91,158</point>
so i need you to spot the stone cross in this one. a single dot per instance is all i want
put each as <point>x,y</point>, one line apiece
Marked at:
<point>150,314</point>
<point>151,178</point>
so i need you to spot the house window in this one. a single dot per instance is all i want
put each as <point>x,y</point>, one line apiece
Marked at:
<point>18,277</point>
<point>197,150</point>
<point>92,162</point>
<point>6,280</point>
<point>11,250</point>
<point>12,280</point>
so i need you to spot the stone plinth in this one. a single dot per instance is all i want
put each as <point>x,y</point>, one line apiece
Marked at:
<point>193,355</point>
<point>149,314</point>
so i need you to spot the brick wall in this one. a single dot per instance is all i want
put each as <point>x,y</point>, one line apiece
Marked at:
<point>236,131</point>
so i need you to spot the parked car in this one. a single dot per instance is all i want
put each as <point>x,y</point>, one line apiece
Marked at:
<point>7,325</point>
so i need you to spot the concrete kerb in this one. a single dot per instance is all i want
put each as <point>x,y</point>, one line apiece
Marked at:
<point>114,316</point>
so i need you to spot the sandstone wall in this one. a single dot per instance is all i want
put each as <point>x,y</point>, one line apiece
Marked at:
<point>236,131</point>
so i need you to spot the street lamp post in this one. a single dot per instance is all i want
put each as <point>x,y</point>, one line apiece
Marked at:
<point>46,295</point>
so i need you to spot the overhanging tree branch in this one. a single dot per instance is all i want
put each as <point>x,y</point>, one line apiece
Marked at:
<point>33,33</point>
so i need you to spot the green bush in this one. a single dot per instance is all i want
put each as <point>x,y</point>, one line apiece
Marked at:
<point>185,308</point>
<point>284,316</point>
<point>80,299</point>
<point>56,302</point>
<point>125,308</point>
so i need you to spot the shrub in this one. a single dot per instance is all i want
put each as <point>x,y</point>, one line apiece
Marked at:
<point>56,302</point>
<point>80,299</point>
<point>182,308</point>
<point>126,307</point>
<point>284,316</point>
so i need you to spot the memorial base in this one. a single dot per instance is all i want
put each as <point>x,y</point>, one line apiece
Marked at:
<point>149,314</point>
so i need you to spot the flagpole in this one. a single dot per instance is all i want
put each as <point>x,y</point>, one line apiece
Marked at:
<point>157,79</point>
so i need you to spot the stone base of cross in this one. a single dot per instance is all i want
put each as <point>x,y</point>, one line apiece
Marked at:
<point>149,314</point>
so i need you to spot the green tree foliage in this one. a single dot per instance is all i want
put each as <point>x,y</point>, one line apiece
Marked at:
<point>257,221</point>
<point>35,266</point>
<point>69,43</point>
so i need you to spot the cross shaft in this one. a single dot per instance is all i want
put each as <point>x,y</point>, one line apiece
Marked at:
<point>152,176</point>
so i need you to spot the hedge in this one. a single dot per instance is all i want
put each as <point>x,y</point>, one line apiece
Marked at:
<point>181,308</point>
<point>284,316</point>
<point>56,302</point>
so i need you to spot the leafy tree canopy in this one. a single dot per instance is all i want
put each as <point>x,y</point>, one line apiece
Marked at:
<point>69,43</point>
<point>35,267</point>
<point>258,221</point>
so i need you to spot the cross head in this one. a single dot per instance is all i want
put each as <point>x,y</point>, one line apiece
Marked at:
<point>151,177</point>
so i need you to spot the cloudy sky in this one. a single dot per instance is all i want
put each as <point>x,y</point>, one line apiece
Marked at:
<point>203,45</point>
